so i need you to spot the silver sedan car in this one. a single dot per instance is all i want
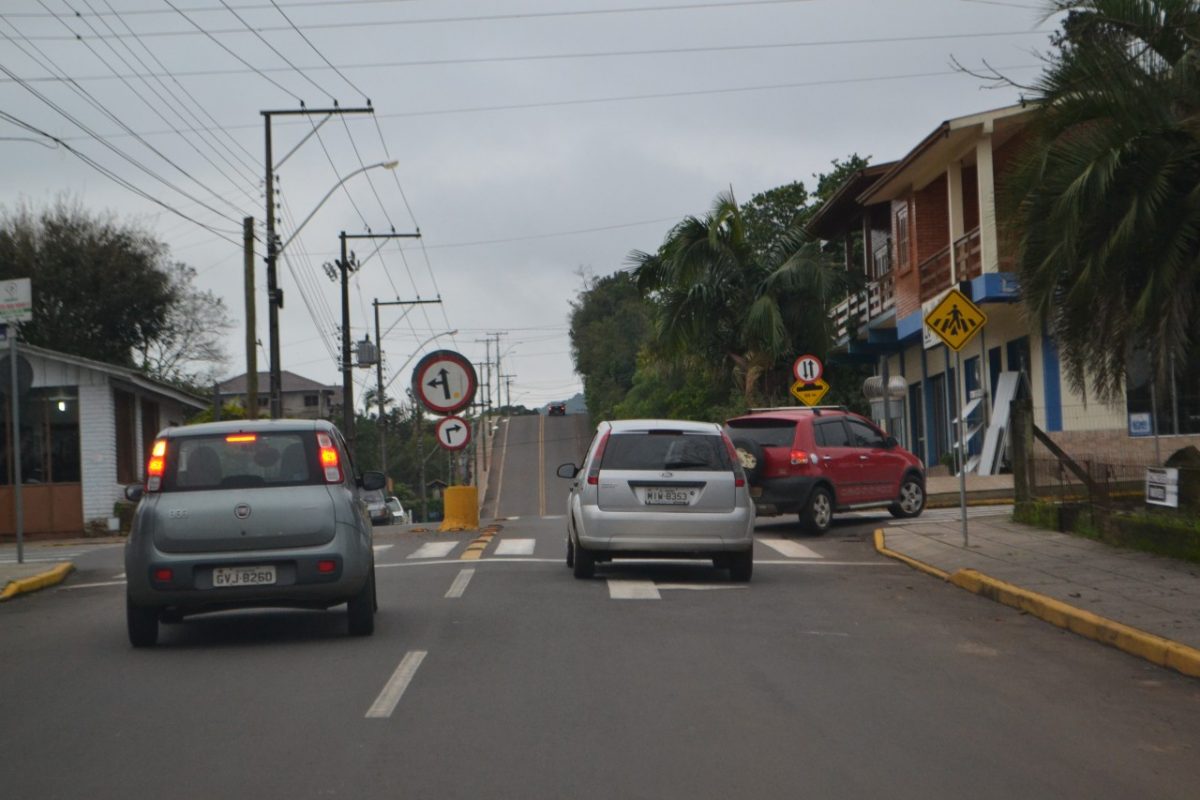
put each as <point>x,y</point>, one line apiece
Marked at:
<point>659,489</point>
<point>249,514</point>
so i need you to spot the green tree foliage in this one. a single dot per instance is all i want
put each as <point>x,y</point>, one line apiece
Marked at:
<point>610,322</point>
<point>723,309</point>
<point>1105,205</point>
<point>108,291</point>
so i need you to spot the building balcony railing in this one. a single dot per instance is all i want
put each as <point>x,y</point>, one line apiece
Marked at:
<point>968,256</point>
<point>935,273</point>
<point>862,306</point>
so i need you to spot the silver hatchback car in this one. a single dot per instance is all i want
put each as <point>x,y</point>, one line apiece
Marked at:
<point>249,514</point>
<point>659,489</point>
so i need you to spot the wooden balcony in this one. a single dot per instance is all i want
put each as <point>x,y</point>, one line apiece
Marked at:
<point>881,295</point>
<point>935,273</point>
<point>968,256</point>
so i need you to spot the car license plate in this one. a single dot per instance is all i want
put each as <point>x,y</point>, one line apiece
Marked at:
<point>243,576</point>
<point>666,497</point>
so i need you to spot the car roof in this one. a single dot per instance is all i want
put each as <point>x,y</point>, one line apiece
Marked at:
<point>646,425</point>
<point>248,426</point>
<point>795,413</point>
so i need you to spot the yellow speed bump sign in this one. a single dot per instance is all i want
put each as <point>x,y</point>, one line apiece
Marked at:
<point>810,393</point>
<point>955,320</point>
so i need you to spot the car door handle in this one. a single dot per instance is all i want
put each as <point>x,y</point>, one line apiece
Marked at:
<point>863,458</point>
<point>827,458</point>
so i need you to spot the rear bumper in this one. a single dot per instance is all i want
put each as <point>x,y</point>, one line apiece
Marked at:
<point>298,581</point>
<point>782,495</point>
<point>647,533</point>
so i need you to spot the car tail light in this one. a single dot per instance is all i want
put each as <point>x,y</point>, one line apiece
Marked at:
<point>739,479</point>
<point>164,575</point>
<point>594,473</point>
<point>801,457</point>
<point>330,461</point>
<point>156,465</point>
<point>326,567</point>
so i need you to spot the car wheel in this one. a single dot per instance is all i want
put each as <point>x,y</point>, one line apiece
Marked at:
<point>912,499</point>
<point>750,455</point>
<point>360,611</point>
<point>741,566</point>
<point>142,622</point>
<point>817,516</point>
<point>585,562</point>
<point>570,553</point>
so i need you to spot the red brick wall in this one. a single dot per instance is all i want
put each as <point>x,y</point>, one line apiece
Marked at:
<point>931,228</point>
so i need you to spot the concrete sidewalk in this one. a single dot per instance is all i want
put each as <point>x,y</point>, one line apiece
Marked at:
<point>1144,604</point>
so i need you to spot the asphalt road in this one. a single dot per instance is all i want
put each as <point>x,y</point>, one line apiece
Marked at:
<point>835,673</point>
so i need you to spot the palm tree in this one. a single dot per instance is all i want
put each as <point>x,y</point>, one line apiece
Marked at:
<point>1105,204</point>
<point>723,308</point>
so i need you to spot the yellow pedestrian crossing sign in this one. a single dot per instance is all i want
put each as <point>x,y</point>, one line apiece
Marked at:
<point>810,393</point>
<point>955,320</point>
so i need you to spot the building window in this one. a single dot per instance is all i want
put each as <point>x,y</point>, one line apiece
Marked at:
<point>1176,406</point>
<point>311,400</point>
<point>263,401</point>
<point>49,437</point>
<point>902,254</point>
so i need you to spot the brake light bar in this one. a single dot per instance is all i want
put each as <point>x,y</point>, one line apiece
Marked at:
<point>156,466</point>
<point>238,438</point>
<point>593,476</point>
<point>330,461</point>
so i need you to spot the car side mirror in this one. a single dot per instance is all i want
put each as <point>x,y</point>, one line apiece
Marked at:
<point>890,442</point>
<point>372,480</point>
<point>134,492</point>
<point>567,471</point>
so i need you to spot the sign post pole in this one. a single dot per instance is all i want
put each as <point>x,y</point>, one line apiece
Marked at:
<point>962,445</point>
<point>14,399</point>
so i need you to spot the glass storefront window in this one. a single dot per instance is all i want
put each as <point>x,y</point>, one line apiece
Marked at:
<point>49,436</point>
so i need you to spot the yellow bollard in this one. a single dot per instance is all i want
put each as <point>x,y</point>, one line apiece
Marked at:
<point>461,504</point>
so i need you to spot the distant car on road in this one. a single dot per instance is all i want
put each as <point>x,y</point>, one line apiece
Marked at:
<point>246,514</point>
<point>377,508</point>
<point>399,515</point>
<point>659,489</point>
<point>813,461</point>
<point>556,409</point>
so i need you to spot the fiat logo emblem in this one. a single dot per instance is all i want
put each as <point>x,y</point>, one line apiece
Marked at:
<point>241,511</point>
<point>668,475</point>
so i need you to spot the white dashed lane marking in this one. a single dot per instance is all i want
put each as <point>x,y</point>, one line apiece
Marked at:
<point>460,584</point>
<point>786,547</point>
<point>393,690</point>
<point>632,590</point>
<point>515,547</point>
<point>434,550</point>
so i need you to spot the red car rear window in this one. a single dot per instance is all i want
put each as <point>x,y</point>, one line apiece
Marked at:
<point>764,431</point>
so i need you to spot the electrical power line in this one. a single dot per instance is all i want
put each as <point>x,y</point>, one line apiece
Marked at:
<point>583,12</point>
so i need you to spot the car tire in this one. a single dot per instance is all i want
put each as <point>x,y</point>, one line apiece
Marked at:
<point>750,454</point>
<point>741,566</point>
<point>585,562</point>
<point>360,611</point>
<point>817,516</point>
<point>142,622</point>
<point>912,499</point>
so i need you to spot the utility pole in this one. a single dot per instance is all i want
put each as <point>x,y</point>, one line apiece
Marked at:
<point>486,402</point>
<point>508,379</point>
<point>274,293</point>
<point>379,363</point>
<point>251,324</point>
<point>497,336</point>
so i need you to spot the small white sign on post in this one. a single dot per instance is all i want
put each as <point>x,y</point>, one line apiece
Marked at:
<point>16,301</point>
<point>1162,487</point>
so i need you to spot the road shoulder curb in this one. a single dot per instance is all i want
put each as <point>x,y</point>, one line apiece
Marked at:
<point>57,574</point>
<point>1151,647</point>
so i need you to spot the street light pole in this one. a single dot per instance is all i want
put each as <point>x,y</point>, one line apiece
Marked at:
<point>274,295</point>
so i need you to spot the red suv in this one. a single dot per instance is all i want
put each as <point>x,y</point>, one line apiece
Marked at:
<point>813,461</point>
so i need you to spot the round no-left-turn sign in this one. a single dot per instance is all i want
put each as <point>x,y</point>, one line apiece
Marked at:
<point>808,369</point>
<point>444,381</point>
<point>453,433</point>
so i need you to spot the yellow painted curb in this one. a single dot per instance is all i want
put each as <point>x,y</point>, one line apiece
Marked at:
<point>57,574</point>
<point>1153,648</point>
<point>881,547</point>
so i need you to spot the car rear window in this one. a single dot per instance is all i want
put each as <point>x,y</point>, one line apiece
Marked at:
<point>666,450</point>
<point>278,458</point>
<point>764,432</point>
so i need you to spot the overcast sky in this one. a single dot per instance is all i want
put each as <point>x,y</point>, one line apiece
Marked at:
<point>537,140</point>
